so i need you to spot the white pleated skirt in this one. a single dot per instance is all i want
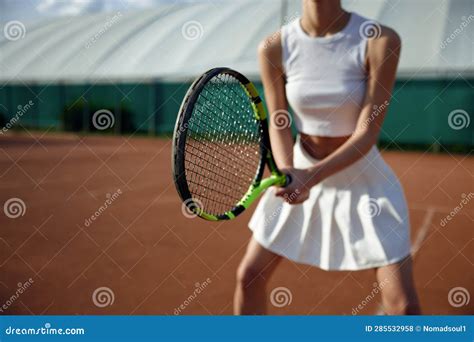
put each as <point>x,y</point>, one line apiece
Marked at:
<point>353,220</point>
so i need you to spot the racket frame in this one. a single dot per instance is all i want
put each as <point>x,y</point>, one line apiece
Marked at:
<point>259,184</point>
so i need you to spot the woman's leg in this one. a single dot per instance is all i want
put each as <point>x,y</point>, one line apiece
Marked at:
<point>252,275</point>
<point>398,289</point>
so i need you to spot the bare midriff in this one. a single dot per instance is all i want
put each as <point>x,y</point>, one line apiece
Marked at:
<point>320,147</point>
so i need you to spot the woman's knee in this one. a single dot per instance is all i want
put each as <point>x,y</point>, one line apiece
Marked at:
<point>257,265</point>
<point>401,305</point>
<point>399,293</point>
<point>249,274</point>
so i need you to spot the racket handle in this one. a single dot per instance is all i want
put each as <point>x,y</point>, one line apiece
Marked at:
<point>288,180</point>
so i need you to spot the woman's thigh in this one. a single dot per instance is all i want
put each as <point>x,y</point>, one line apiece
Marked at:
<point>258,263</point>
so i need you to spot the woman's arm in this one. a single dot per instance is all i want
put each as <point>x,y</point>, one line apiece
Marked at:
<point>382,56</point>
<point>273,78</point>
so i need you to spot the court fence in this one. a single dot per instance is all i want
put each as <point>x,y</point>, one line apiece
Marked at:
<point>421,112</point>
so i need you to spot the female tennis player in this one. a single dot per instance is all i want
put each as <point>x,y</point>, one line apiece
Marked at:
<point>345,209</point>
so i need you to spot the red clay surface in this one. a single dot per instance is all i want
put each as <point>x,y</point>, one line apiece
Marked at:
<point>152,257</point>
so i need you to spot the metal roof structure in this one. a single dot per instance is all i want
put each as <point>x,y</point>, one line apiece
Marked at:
<point>178,40</point>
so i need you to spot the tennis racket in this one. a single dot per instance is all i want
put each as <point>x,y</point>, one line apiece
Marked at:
<point>221,146</point>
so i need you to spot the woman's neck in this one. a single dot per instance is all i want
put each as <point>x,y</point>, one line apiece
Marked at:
<point>323,18</point>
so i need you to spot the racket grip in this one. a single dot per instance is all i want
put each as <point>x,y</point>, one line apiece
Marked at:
<point>288,180</point>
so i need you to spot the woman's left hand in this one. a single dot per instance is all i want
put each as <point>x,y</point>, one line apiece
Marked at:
<point>298,190</point>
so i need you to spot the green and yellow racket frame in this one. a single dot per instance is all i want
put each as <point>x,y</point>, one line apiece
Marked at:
<point>259,184</point>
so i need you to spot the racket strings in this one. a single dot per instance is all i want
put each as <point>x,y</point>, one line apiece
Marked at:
<point>207,158</point>
<point>224,120</point>
<point>216,157</point>
<point>252,137</point>
<point>203,165</point>
<point>208,163</point>
<point>216,148</point>
<point>236,155</point>
<point>244,118</point>
<point>223,145</point>
<point>244,99</point>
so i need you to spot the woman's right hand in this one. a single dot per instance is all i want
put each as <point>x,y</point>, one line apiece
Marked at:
<point>298,190</point>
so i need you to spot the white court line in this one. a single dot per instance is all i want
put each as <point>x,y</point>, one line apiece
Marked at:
<point>422,231</point>
<point>420,237</point>
<point>436,209</point>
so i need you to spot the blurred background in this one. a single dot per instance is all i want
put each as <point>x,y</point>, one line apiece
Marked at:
<point>137,57</point>
<point>91,222</point>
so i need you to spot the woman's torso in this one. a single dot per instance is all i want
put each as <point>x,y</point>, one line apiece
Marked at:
<point>326,83</point>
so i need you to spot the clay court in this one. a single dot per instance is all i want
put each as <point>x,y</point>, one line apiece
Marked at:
<point>153,258</point>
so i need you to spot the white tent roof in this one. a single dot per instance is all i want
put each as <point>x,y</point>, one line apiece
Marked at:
<point>182,40</point>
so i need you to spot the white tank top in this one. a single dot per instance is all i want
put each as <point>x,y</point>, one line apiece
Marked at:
<point>326,77</point>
